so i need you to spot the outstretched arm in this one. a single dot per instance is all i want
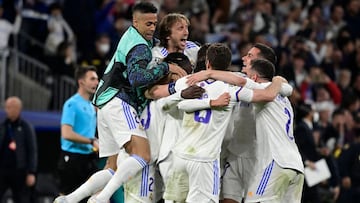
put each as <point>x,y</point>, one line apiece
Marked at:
<point>258,95</point>
<point>226,76</point>
<point>191,105</point>
<point>286,89</point>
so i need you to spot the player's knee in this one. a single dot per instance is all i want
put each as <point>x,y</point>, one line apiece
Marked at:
<point>146,157</point>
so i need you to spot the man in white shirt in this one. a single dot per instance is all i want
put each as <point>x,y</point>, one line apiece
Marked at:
<point>173,35</point>
<point>197,150</point>
<point>242,143</point>
<point>272,127</point>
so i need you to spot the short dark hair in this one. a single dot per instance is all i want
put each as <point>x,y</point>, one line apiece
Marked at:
<point>201,58</point>
<point>219,56</point>
<point>80,71</point>
<point>144,7</point>
<point>264,68</point>
<point>266,52</point>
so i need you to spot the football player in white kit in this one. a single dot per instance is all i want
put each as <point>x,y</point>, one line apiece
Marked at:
<point>173,35</point>
<point>279,176</point>
<point>197,150</point>
<point>279,170</point>
<point>242,146</point>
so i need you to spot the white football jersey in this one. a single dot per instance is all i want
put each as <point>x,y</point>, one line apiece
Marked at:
<point>243,142</point>
<point>153,121</point>
<point>159,53</point>
<point>202,131</point>
<point>274,129</point>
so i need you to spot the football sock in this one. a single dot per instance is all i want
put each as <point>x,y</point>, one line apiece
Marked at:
<point>94,184</point>
<point>125,171</point>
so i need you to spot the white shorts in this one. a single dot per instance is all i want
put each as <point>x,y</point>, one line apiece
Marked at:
<point>117,122</point>
<point>236,178</point>
<point>276,184</point>
<point>203,177</point>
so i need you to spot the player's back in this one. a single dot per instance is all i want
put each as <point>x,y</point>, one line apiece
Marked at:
<point>274,128</point>
<point>202,132</point>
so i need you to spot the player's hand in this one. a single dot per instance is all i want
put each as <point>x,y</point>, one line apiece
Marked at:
<point>221,101</point>
<point>96,145</point>
<point>177,70</point>
<point>310,164</point>
<point>192,92</point>
<point>197,77</point>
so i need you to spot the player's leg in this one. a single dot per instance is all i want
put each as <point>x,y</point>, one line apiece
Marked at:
<point>141,188</point>
<point>123,122</point>
<point>108,148</point>
<point>204,181</point>
<point>294,192</point>
<point>273,184</point>
<point>177,181</point>
<point>231,182</point>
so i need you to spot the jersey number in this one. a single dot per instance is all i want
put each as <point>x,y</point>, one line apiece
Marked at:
<point>287,126</point>
<point>146,123</point>
<point>202,119</point>
<point>151,184</point>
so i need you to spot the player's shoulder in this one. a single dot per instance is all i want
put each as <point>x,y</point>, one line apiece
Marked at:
<point>159,51</point>
<point>191,45</point>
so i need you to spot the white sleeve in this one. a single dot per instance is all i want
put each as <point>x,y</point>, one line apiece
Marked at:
<point>250,84</point>
<point>241,94</point>
<point>17,24</point>
<point>191,105</point>
<point>157,57</point>
<point>180,84</point>
<point>169,102</point>
<point>286,89</point>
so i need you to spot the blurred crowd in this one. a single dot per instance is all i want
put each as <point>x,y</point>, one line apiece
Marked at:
<point>317,44</point>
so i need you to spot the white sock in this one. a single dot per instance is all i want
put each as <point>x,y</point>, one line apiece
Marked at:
<point>94,184</point>
<point>125,171</point>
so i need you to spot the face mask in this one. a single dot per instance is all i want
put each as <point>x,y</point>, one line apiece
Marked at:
<point>104,48</point>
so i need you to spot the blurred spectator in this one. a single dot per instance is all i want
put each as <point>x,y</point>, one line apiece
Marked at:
<point>18,153</point>
<point>78,125</point>
<point>64,62</point>
<point>219,12</point>
<point>352,17</point>
<point>349,166</point>
<point>343,81</point>
<point>336,21</point>
<point>80,16</point>
<point>264,23</point>
<point>120,25</point>
<point>104,19</point>
<point>59,30</point>
<point>332,63</point>
<point>319,83</point>
<point>101,56</point>
<point>333,135</point>
<point>7,28</point>
<point>308,148</point>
